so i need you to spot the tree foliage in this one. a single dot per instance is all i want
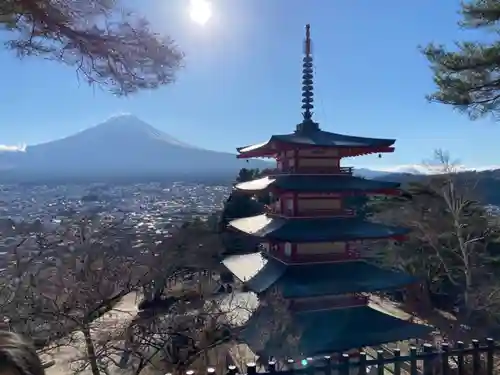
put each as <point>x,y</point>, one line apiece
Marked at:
<point>239,205</point>
<point>246,174</point>
<point>109,46</point>
<point>467,77</point>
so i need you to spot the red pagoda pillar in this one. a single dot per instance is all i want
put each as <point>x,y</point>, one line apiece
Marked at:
<point>312,238</point>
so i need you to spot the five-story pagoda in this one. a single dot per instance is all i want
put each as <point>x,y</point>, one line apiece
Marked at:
<point>312,236</point>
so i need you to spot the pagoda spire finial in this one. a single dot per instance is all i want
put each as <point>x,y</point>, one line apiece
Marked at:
<point>307,77</point>
<point>307,86</point>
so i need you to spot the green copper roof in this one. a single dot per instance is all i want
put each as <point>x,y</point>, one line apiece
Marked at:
<point>314,229</point>
<point>316,183</point>
<point>322,138</point>
<point>330,331</point>
<point>259,272</point>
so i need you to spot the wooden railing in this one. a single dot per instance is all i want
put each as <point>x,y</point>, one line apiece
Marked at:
<point>478,358</point>
<point>325,212</point>
<point>320,212</point>
<point>311,170</point>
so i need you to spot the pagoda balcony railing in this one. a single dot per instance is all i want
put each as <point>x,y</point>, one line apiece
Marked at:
<point>319,212</point>
<point>310,170</point>
<point>325,212</point>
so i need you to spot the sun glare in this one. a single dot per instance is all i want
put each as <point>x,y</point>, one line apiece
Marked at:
<point>200,11</point>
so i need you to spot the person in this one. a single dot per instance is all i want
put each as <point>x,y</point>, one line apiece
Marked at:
<point>17,356</point>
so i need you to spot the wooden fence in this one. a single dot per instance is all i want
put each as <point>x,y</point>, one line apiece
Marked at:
<point>478,358</point>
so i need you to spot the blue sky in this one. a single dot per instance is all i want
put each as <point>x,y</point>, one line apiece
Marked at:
<point>242,78</point>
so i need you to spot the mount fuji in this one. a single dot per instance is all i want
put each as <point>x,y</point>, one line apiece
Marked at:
<point>119,147</point>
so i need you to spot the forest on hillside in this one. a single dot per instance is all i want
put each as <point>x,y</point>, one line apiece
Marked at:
<point>486,189</point>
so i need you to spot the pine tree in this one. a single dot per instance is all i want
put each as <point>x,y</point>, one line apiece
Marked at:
<point>106,44</point>
<point>467,77</point>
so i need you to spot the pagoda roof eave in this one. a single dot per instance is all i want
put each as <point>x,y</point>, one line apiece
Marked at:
<point>315,229</point>
<point>317,138</point>
<point>330,331</point>
<point>317,184</point>
<point>259,272</point>
<point>259,148</point>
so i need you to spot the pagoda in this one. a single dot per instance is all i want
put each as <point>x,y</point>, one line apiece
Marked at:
<point>312,237</point>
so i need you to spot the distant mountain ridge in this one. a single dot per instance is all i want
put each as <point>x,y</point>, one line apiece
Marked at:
<point>486,183</point>
<point>429,169</point>
<point>121,146</point>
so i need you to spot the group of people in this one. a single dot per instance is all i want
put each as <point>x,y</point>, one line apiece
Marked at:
<point>18,356</point>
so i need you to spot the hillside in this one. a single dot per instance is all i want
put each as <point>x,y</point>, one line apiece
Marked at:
<point>486,190</point>
<point>122,146</point>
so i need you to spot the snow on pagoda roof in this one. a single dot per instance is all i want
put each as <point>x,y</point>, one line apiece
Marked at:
<point>260,272</point>
<point>316,183</point>
<point>315,229</point>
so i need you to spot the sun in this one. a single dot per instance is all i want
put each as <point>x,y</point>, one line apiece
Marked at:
<point>200,11</point>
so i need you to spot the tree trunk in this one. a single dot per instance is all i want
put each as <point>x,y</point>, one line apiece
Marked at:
<point>89,345</point>
<point>417,297</point>
<point>465,252</point>
<point>467,291</point>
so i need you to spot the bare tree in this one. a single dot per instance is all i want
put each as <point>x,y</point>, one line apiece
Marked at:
<point>193,324</point>
<point>468,234</point>
<point>192,249</point>
<point>109,46</point>
<point>199,331</point>
<point>77,291</point>
<point>450,238</point>
<point>193,333</point>
<point>66,289</point>
<point>71,279</point>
